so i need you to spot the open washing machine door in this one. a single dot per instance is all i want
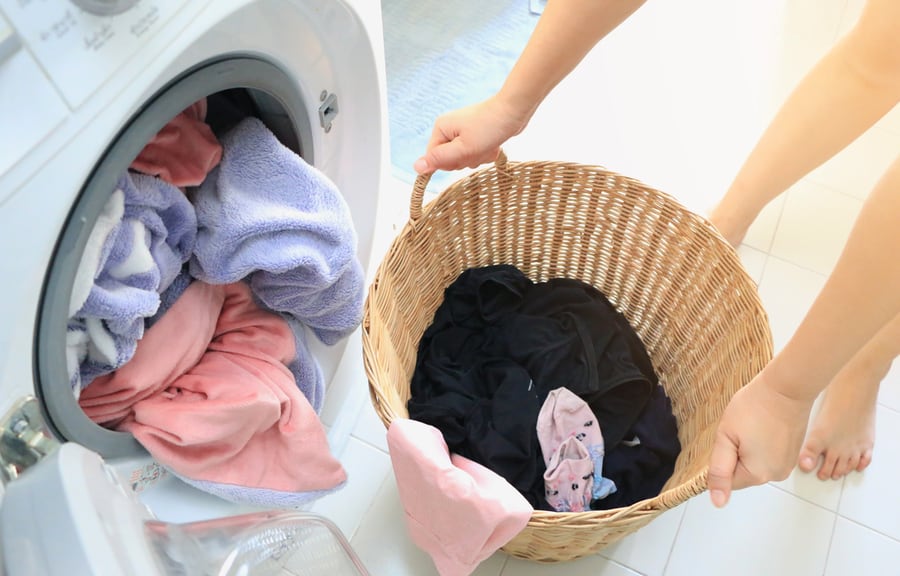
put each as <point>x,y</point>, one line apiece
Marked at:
<point>80,96</point>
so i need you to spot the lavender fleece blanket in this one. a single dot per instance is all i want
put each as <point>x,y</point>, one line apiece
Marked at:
<point>266,215</point>
<point>123,271</point>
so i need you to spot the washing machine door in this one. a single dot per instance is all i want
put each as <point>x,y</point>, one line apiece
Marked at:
<point>306,68</point>
<point>233,88</point>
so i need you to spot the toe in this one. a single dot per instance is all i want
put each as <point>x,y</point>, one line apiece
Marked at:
<point>864,460</point>
<point>809,456</point>
<point>841,468</point>
<point>827,468</point>
<point>853,462</point>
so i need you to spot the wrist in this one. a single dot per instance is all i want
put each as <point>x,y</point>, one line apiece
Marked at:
<point>780,377</point>
<point>517,107</point>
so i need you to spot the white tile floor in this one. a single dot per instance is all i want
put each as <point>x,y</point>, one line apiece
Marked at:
<point>676,97</point>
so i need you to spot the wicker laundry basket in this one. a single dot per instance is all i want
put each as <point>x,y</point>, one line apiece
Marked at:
<point>669,271</point>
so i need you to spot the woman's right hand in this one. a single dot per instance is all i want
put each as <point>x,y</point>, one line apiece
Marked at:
<point>471,136</point>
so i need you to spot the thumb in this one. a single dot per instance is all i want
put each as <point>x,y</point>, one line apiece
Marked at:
<point>722,464</point>
<point>446,156</point>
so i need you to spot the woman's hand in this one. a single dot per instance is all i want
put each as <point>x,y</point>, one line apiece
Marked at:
<point>759,437</point>
<point>471,136</point>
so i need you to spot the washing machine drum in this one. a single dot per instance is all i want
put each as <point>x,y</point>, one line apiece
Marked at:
<point>220,95</point>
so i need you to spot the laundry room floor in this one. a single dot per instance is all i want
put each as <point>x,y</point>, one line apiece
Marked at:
<point>676,97</point>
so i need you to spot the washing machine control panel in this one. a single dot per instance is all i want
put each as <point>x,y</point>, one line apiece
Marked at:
<point>56,56</point>
<point>79,49</point>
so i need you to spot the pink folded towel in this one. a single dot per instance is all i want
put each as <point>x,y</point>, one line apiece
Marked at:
<point>184,151</point>
<point>456,510</point>
<point>208,393</point>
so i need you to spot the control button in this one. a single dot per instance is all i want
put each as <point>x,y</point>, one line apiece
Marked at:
<point>105,7</point>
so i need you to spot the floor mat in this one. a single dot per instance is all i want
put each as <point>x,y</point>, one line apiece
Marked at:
<point>441,56</point>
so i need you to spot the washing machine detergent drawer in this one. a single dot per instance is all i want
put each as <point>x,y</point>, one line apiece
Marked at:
<point>71,514</point>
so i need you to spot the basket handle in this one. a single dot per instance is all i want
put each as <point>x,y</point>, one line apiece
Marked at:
<point>418,193</point>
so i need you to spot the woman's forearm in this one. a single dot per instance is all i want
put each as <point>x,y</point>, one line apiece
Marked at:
<point>861,295</point>
<point>843,95</point>
<point>565,33</point>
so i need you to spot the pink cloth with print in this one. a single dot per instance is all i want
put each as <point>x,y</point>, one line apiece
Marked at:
<point>208,393</point>
<point>572,446</point>
<point>456,510</point>
<point>184,151</point>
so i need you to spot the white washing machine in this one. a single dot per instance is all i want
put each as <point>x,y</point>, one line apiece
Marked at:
<point>84,85</point>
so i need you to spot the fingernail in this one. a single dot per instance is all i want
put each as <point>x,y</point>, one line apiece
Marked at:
<point>420,166</point>
<point>806,463</point>
<point>718,498</point>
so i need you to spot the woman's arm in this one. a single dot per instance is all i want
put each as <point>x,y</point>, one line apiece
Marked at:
<point>853,86</point>
<point>565,33</point>
<point>761,431</point>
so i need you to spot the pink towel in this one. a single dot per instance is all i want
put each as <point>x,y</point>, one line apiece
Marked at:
<point>184,151</point>
<point>208,393</point>
<point>456,510</point>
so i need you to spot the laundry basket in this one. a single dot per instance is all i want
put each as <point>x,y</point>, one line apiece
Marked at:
<point>673,276</point>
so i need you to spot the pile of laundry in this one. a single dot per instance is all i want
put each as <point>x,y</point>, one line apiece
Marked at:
<point>188,317</point>
<point>525,396</point>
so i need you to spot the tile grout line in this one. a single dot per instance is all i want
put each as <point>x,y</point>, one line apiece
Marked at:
<point>624,567</point>
<point>370,444</point>
<point>503,568</point>
<point>804,498</point>
<point>831,539</point>
<point>368,509</point>
<point>675,540</point>
<point>876,531</point>
<point>824,183</point>
<point>800,266</point>
<point>768,249</point>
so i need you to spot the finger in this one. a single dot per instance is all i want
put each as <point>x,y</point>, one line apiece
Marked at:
<point>448,156</point>
<point>439,137</point>
<point>743,478</point>
<point>476,161</point>
<point>722,464</point>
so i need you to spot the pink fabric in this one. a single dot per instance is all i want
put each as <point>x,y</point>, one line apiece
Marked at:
<point>209,395</point>
<point>456,510</point>
<point>572,446</point>
<point>569,479</point>
<point>184,151</point>
<point>562,415</point>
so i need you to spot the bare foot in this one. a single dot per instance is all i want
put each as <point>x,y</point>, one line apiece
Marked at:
<point>843,432</point>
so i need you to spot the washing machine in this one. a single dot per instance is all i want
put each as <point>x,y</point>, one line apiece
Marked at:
<point>84,85</point>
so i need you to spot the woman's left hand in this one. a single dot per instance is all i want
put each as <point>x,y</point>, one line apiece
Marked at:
<point>758,439</point>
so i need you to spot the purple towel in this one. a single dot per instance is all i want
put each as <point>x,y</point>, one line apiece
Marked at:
<point>305,369</point>
<point>140,258</point>
<point>168,296</point>
<point>265,213</point>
